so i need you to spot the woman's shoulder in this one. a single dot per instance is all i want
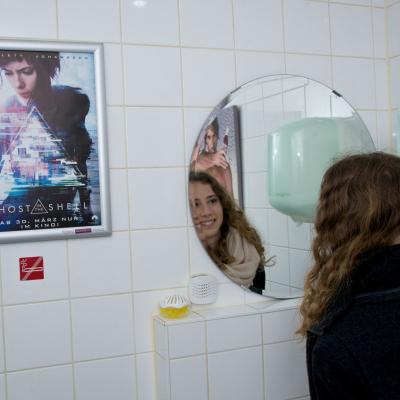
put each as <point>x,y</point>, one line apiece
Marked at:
<point>68,92</point>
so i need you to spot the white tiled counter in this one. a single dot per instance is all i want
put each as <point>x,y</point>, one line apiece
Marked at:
<point>232,353</point>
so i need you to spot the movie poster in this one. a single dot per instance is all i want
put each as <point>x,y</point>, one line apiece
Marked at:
<point>49,165</point>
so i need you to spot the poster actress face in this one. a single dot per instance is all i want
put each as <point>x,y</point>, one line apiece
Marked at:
<point>207,212</point>
<point>22,77</point>
<point>211,140</point>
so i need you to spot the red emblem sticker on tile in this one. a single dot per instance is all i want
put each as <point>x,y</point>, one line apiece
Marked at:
<point>31,268</point>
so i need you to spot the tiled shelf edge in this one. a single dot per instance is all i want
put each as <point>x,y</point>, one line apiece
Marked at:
<point>206,314</point>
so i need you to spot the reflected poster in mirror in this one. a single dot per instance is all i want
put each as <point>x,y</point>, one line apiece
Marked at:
<point>217,150</point>
<point>287,131</point>
<point>53,170</point>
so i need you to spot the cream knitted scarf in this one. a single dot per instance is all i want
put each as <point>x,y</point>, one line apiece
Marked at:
<point>247,260</point>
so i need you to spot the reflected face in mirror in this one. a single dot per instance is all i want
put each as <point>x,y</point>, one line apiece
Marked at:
<point>206,212</point>
<point>229,239</point>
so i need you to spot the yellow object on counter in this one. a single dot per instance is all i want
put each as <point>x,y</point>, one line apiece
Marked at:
<point>175,306</point>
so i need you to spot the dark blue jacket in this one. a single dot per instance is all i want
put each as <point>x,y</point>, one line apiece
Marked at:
<point>354,351</point>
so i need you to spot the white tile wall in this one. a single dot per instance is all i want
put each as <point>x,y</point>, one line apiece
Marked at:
<point>106,379</point>
<point>157,23</point>
<point>158,59</point>
<point>102,327</point>
<point>101,25</point>
<point>258,25</point>
<point>189,378</point>
<point>25,19</point>
<point>284,374</point>
<point>206,23</point>
<point>164,130</point>
<point>244,365</point>
<point>37,335</point>
<point>46,384</point>
<point>302,19</point>
<point>355,22</point>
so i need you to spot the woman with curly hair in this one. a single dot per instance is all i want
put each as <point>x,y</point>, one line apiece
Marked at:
<point>232,243</point>
<point>351,305</point>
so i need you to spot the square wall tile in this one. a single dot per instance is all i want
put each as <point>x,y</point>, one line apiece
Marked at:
<point>100,266</point>
<point>395,81</point>
<point>252,119</point>
<point>189,378</point>
<point>217,32</point>
<point>379,29</point>
<point>163,384</point>
<point>258,217</point>
<point>154,137</point>
<point>310,66</point>
<point>155,23</point>
<point>233,333</point>
<point>119,199</point>
<point>255,190</point>
<point>146,82</point>
<point>49,328</point>
<point>258,25</point>
<point>116,137</point>
<point>113,74</point>
<point>254,154</point>
<point>280,271</point>
<point>278,228</point>
<point>299,235</point>
<point>285,372</point>
<point>106,379</point>
<point>353,22</point>
<point>45,384</point>
<point>102,327</point>
<point>253,65</point>
<point>103,25</point>
<point>28,19</point>
<point>54,286</point>
<point>187,339</point>
<point>384,132</point>
<point>2,387</point>
<point>146,379</point>
<point>352,78</point>
<point>160,258</point>
<point>244,369</point>
<point>161,338</point>
<point>300,262</point>
<point>157,198</point>
<point>381,84</point>
<point>393,29</point>
<point>302,20</point>
<point>279,326</point>
<point>208,76</point>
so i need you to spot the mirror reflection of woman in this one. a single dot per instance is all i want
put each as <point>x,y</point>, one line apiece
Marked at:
<point>212,160</point>
<point>351,306</point>
<point>232,243</point>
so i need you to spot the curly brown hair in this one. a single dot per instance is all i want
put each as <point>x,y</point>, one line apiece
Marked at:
<point>233,216</point>
<point>358,210</point>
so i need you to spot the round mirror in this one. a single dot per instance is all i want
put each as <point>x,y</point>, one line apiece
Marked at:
<point>255,173</point>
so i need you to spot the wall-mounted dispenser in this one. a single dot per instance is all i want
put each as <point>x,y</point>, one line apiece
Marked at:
<point>300,152</point>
